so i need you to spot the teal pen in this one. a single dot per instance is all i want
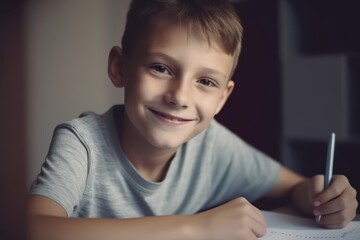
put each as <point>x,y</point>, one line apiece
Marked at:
<point>329,161</point>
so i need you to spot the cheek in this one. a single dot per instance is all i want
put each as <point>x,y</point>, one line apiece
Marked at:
<point>133,83</point>
<point>208,107</point>
<point>142,87</point>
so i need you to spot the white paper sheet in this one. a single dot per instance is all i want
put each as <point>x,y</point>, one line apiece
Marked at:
<point>287,227</point>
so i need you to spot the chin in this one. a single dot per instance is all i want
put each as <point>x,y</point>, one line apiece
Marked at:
<point>164,142</point>
<point>166,145</point>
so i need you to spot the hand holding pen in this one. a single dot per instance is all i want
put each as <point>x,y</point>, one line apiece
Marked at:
<point>335,202</point>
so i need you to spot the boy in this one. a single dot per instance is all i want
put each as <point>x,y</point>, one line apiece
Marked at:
<point>159,166</point>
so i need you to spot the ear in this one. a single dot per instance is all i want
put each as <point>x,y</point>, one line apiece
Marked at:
<point>115,67</point>
<point>227,92</point>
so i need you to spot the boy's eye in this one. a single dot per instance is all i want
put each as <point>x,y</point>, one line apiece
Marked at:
<point>207,82</point>
<point>160,69</point>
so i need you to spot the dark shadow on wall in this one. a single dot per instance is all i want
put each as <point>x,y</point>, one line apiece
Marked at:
<point>253,109</point>
<point>12,123</point>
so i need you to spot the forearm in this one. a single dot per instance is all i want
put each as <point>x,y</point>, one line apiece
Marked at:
<point>291,188</point>
<point>157,228</point>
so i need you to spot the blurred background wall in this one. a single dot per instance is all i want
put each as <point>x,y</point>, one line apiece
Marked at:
<point>12,121</point>
<point>67,44</point>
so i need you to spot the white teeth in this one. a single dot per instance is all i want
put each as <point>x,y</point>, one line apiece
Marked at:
<point>168,117</point>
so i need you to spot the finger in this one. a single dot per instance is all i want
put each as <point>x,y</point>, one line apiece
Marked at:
<point>252,219</point>
<point>336,188</point>
<point>340,218</point>
<point>256,224</point>
<point>258,227</point>
<point>250,208</point>
<point>335,220</point>
<point>259,213</point>
<point>256,218</point>
<point>331,200</point>
<point>348,211</point>
<point>346,199</point>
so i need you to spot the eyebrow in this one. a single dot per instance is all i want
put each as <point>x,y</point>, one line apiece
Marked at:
<point>211,71</point>
<point>205,70</point>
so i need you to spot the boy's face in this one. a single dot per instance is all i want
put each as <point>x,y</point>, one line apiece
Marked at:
<point>174,84</point>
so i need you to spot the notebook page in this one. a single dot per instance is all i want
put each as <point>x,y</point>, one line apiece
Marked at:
<point>287,227</point>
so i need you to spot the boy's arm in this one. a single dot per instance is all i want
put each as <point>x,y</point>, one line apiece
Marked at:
<point>336,205</point>
<point>48,220</point>
<point>237,219</point>
<point>286,182</point>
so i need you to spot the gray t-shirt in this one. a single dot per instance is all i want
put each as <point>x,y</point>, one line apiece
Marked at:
<point>87,173</point>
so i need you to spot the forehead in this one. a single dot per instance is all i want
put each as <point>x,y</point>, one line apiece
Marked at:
<point>183,41</point>
<point>188,28</point>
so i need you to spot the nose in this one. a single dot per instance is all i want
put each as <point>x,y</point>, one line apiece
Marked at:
<point>178,94</point>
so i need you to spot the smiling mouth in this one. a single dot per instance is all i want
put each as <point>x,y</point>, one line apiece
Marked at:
<point>169,118</point>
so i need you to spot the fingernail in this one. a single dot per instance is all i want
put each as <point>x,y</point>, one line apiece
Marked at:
<point>317,213</point>
<point>318,218</point>
<point>317,203</point>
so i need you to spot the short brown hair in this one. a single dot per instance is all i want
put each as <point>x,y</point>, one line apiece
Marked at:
<point>216,19</point>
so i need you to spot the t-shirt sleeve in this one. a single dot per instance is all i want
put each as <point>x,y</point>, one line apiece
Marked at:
<point>246,171</point>
<point>63,174</point>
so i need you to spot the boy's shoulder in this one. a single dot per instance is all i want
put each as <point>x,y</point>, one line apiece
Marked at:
<point>90,123</point>
<point>91,117</point>
<point>84,120</point>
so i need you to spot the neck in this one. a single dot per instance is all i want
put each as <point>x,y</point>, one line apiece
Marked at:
<point>152,163</point>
